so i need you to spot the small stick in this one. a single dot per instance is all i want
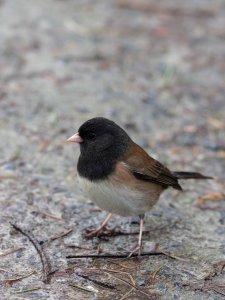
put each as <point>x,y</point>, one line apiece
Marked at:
<point>2,177</point>
<point>220,265</point>
<point>133,286</point>
<point>120,232</point>
<point>46,268</point>
<point>169,254</point>
<point>127,294</point>
<point>153,276</point>
<point>61,235</point>
<point>107,270</point>
<point>14,157</point>
<point>76,246</point>
<point>10,281</point>
<point>115,271</point>
<point>3,270</point>
<point>79,287</point>
<point>102,284</point>
<point>27,291</point>
<point>119,264</point>
<point>216,286</point>
<point>11,251</point>
<point>125,255</point>
<point>50,215</point>
<point>207,207</point>
<point>217,291</point>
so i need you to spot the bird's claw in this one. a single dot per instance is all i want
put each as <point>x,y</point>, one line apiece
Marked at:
<point>137,249</point>
<point>99,231</point>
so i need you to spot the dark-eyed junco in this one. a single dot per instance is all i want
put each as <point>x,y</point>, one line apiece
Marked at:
<point>118,175</point>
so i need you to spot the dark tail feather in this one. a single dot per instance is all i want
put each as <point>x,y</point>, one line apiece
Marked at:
<point>191,175</point>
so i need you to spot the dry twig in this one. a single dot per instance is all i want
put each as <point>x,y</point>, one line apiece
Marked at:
<point>101,284</point>
<point>132,282</point>
<point>50,215</point>
<point>27,291</point>
<point>11,251</point>
<point>153,276</point>
<point>125,255</point>
<point>61,234</point>
<point>211,197</point>
<point>76,246</point>
<point>79,287</point>
<point>3,270</point>
<point>12,176</point>
<point>169,254</point>
<point>216,288</point>
<point>46,269</point>
<point>119,264</point>
<point>10,281</point>
<point>127,294</point>
<point>149,296</point>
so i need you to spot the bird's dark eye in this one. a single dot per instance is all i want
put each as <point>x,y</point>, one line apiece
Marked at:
<point>91,135</point>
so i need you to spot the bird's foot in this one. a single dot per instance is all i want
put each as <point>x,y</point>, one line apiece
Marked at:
<point>101,231</point>
<point>137,249</point>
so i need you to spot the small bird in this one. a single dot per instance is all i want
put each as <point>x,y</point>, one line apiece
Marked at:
<point>118,175</point>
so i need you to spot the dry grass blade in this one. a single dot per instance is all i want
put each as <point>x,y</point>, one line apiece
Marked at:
<point>50,215</point>
<point>11,251</point>
<point>108,271</point>
<point>3,270</point>
<point>127,294</point>
<point>119,264</point>
<point>113,233</point>
<point>99,250</point>
<point>27,291</point>
<point>219,266</point>
<point>124,281</point>
<point>2,177</point>
<point>154,8</point>
<point>76,246</point>
<point>14,157</point>
<point>170,254</point>
<point>153,276</point>
<point>217,286</point>
<point>10,281</point>
<point>101,284</point>
<point>217,290</point>
<point>79,287</point>
<point>61,235</point>
<point>44,144</point>
<point>133,286</point>
<point>211,197</point>
<point>207,207</point>
<point>115,271</point>
<point>21,298</point>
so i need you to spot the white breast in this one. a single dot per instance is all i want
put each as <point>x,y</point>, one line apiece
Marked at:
<point>118,199</point>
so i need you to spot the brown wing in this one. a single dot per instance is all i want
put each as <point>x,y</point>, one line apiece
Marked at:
<point>147,168</point>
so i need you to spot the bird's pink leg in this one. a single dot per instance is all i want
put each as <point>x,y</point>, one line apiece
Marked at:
<point>138,248</point>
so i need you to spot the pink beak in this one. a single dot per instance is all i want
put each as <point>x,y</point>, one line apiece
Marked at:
<point>75,139</point>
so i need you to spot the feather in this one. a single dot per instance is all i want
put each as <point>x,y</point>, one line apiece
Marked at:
<point>146,168</point>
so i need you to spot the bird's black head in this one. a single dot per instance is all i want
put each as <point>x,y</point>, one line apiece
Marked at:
<point>101,135</point>
<point>102,143</point>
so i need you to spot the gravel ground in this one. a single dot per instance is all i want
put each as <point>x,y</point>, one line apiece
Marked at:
<point>156,68</point>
